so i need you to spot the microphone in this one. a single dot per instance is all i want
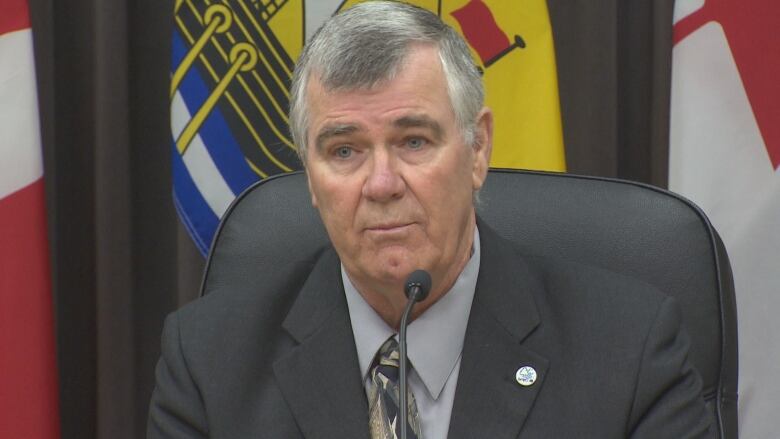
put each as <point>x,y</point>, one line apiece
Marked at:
<point>416,288</point>
<point>418,285</point>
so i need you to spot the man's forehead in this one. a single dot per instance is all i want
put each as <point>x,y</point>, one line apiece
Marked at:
<point>317,83</point>
<point>315,87</point>
<point>412,120</point>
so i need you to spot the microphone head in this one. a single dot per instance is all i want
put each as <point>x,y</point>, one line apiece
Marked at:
<point>418,279</point>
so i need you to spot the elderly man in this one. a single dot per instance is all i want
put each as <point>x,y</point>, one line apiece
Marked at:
<point>387,111</point>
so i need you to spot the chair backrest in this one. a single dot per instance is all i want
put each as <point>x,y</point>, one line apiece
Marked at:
<point>626,227</point>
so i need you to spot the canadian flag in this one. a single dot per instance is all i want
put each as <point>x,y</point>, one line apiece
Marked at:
<point>28,374</point>
<point>725,156</point>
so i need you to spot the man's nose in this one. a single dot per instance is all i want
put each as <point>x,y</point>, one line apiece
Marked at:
<point>384,182</point>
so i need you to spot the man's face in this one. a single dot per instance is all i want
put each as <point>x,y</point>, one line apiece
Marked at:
<point>391,176</point>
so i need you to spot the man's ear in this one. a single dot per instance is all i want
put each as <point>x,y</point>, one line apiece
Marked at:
<point>311,192</point>
<point>483,147</point>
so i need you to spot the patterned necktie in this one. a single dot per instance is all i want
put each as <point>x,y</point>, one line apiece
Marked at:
<point>384,415</point>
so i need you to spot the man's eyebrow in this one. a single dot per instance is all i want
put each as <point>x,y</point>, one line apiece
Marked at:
<point>329,131</point>
<point>420,122</point>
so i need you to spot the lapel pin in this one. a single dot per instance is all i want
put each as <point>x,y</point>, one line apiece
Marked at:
<point>526,376</point>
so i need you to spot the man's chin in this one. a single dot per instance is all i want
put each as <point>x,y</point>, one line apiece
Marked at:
<point>395,270</point>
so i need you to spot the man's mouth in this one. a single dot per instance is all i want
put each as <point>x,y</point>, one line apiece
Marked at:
<point>388,227</point>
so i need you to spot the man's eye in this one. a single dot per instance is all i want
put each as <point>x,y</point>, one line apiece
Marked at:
<point>343,152</point>
<point>415,142</point>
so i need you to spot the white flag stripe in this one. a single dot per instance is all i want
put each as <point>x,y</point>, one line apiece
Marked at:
<point>714,137</point>
<point>198,161</point>
<point>754,252</point>
<point>719,160</point>
<point>179,115</point>
<point>317,12</point>
<point>20,142</point>
<point>684,8</point>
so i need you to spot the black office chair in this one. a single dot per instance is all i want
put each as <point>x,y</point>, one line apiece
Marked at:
<point>626,227</point>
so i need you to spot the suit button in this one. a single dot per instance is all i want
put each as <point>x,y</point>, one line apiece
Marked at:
<point>526,376</point>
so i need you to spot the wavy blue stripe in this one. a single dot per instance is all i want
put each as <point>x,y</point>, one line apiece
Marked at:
<point>215,133</point>
<point>195,213</point>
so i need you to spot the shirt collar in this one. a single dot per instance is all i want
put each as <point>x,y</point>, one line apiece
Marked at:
<point>435,338</point>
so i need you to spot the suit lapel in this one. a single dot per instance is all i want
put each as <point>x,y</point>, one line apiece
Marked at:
<point>320,378</point>
<point>489,402</point>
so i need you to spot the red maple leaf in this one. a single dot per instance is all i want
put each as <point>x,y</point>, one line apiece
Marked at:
<point>751,28</point>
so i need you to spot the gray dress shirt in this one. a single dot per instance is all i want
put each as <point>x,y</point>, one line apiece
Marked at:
<point>435,343</point>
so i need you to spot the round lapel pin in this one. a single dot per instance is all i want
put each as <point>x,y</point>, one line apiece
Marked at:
<point>526,376</point>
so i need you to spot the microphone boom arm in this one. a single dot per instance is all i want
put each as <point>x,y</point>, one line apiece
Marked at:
<point>418,285</point>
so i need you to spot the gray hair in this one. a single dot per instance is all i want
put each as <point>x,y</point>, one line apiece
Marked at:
<point>364,46</point>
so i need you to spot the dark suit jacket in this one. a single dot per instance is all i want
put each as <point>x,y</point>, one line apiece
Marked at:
<point>609,351</point>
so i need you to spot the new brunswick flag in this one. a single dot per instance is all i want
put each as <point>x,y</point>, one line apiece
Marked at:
<point>231,69</point>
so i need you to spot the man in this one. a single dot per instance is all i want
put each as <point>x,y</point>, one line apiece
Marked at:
<point>387,112</point>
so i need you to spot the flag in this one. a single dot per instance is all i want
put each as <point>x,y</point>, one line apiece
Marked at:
<point>231,68</point>
<point>483,33</point>
<point>725,156</point>
<point>28,374</point>
<point>512,43</point>
<point>229,94</point>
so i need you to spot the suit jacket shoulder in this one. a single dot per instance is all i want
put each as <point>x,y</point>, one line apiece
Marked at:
<point>609,353</point>
<point>275,359</point>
